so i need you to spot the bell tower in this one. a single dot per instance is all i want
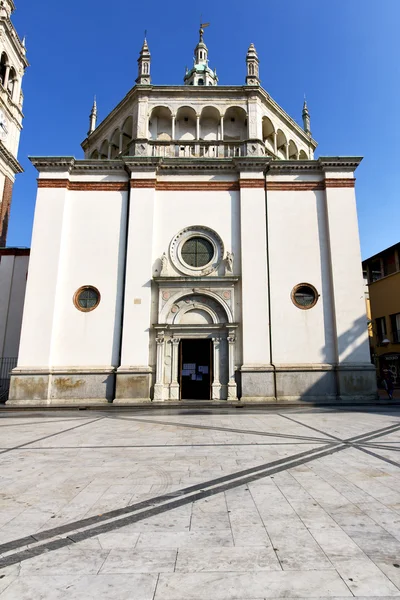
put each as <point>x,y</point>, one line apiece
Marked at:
<point>201,74</point>
<point>13,63</point>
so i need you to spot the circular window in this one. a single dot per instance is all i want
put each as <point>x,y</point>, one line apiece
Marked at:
<point>197,252</point>
<point>87,298</point>
<point>304,296</point>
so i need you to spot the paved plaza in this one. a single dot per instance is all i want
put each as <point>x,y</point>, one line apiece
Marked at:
<point>234,504</point>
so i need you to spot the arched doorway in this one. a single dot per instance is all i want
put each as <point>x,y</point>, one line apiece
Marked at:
<point>195,343</point>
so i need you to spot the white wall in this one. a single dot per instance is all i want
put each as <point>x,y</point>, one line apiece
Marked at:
<point>92,253</point>
<point>348,285</point>
<point>78,239</point>
<point>298,254</point>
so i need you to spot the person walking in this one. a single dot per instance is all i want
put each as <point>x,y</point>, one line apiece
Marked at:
<point>388,383</point>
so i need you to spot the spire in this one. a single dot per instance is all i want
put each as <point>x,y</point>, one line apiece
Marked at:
<point>252,62</point>
<point>306,117</point>
<point>201,74</point>
<point>93,117</point>
<point>143,77</point>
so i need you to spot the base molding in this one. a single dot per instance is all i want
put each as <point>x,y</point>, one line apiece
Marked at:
<point>315,384</point>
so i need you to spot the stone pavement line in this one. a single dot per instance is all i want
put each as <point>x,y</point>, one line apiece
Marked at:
<point>234,480</point>
<point>223,429</point>
<point>46,437</point>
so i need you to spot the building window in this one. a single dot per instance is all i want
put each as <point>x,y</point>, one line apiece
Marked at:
<point>395,321</point>
<point>376,269</point>
<point>304,296</point>
<point>87,298</point>
<point>381,328</point>
<point>201,82</point>
<point>197,252</point>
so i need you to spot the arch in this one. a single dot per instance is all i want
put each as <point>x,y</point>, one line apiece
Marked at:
<point>210,119</point>
<point>185,123</point>
<point>104,150</point>
<point>160,123</point>
<point>12,80</point>
<point>281,142</point>
<point>196,314</point>
<point>127,134</point>
<point>235,123</point>
<point>293,151</point>
<point>216,305</point>
<point>303,155</point>
<point>114,144</point>
<point>95,155</point>
<point>268,133</point>
<point>200,81</point>
<point>3,66</point>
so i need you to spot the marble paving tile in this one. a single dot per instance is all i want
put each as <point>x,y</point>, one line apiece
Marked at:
<point>155,560</point>
<point>236,586</point>
<point>71,560</point>
<point>238,559</point>
<point>69,587</point>
<point>364,577</point>
<point>178,539</point>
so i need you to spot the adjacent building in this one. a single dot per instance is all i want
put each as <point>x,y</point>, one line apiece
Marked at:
<point>199,250</point>
<point>13,63</point>
<point>382,273</point>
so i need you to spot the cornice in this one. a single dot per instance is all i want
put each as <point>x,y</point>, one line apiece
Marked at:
<point>339,163</point>
<point>10,159</point>
<point>192,280</point>
<point>15,40</point>
<point>148,164</point>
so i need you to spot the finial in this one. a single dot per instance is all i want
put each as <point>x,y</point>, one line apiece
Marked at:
<point>306,117</point>
<point>93,117</point>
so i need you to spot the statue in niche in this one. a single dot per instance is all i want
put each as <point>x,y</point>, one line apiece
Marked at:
<point>229,263</point>
<point>164,265</point>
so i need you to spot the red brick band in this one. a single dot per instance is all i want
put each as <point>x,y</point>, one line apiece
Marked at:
<point>294,186</point>
<point>252,183</point>
<point>5,207</point>
<point>84,186</point>
<point>197,186</point>
<point>340,183</point>
<point>143,183</point>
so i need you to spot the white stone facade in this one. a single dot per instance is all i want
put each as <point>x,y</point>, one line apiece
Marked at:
<point>194,217</point>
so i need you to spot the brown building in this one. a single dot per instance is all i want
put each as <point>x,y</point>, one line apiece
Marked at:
<point>382,275</point>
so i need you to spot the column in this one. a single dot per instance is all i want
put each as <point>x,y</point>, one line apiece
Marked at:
<point>287,150</point>
<point>232,388</point>
<point>216,384</point>
<point>109,150</point>
<point>275,142</point>
<point>6,77</point>
<point>356,374</point>
<point>197,127</point>
<point>173,127</point>
<point>174,387</point>
<point>135,373</point>
<point>159,385</point>
<point>121,140</point>
<point>222,128</point>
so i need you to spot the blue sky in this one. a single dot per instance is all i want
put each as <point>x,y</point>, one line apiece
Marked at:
<point>344,54</point>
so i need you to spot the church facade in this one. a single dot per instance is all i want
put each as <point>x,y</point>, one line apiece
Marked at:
<point>198,251</point>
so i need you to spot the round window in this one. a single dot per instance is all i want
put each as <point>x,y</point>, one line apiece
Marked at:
<point>87,298</point>
<point>197,252</point>
<point>304,295</point>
